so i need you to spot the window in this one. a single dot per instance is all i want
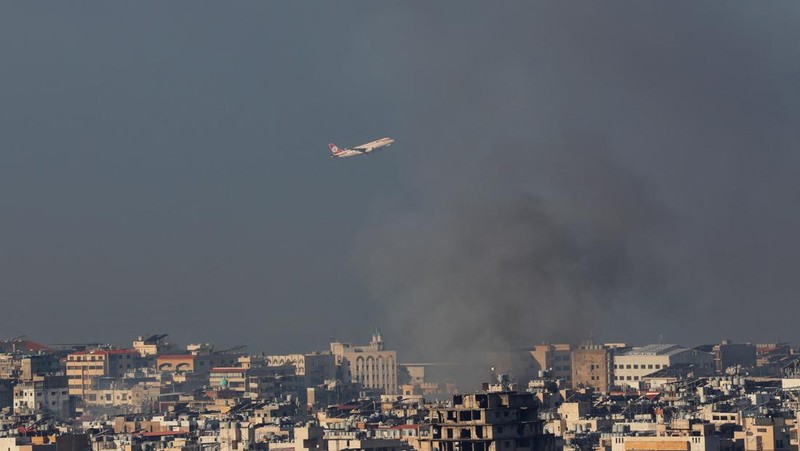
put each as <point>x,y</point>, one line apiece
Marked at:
<point>635,367</point>
<point>650,367</point>
<point>627,367</point>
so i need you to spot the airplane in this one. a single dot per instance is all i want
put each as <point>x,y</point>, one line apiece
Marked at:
<point>364,149</point>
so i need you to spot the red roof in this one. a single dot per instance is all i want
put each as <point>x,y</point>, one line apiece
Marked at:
<point>405,426</point>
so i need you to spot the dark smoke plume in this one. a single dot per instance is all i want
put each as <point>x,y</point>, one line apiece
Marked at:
<point>503,267</point>
<point>616,173</point>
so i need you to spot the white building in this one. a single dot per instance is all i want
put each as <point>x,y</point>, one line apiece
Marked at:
<point>634,364</point>
<point>46,394</point>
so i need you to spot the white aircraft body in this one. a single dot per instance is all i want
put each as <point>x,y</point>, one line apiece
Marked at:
<point>364,149</point>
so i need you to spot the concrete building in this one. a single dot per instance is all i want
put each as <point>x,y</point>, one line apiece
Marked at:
<point>314,368</point>
<point>666,443</point>
<point>152,345</point>
<point>45,394</point>
<point>260,382</point>
<point>372,366</point>
<point>84,367</point>
<point>593,366</point>
<point>554,358</point>
<point>764,434</point>
<point>490,421</point>
<point>731,355</point>
<point>632,365</point>
<point>39,365</point>
<point>194,363</point>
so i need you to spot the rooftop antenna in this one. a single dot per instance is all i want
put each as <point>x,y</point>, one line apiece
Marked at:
<point>661,339</point>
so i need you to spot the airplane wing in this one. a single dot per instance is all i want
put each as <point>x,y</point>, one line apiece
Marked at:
<point>367,146</point>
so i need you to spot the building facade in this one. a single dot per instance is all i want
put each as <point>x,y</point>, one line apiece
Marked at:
<point>46,394</point>
<point>491,421</point>
<point>555,359</point>
<point>632,365</point>
<point>372,366</point>
<point>592,366</point>
<point>83,368</point>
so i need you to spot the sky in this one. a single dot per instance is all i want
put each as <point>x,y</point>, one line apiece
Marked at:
<point>623,171</point>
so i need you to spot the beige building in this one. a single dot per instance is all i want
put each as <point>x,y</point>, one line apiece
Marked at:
<point>555,359</point>
<point>152,345</point>
<point>314,368</point>
<point>632,365</point>
<point>194,363</point>
<point>372,366</point>
<point>764,434</point>
<point>592,366</point>
<point>665,443</point>
<point>83,368</point>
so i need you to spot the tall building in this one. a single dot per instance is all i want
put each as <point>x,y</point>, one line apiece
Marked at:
<point>592,366</point>
<point>372,366</point>
<point>554,358</point>
<point>491,421</point>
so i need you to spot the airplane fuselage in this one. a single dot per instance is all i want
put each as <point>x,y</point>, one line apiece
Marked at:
<point>360,150</point>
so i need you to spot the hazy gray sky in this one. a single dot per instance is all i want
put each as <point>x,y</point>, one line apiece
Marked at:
<point>163,168</point>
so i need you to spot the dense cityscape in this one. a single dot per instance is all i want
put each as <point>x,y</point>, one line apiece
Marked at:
<point>524,225</point>
<point>154,394</point>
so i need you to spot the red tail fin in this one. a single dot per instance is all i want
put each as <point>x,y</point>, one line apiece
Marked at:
<point>335,149</point>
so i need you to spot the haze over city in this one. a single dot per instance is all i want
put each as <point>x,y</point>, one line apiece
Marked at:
<point>561,171</point>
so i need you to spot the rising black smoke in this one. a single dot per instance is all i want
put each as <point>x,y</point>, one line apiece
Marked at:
<point>501,267</point>
<point>609,172</point>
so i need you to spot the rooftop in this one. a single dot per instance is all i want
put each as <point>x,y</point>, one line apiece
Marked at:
<point>656,349</point>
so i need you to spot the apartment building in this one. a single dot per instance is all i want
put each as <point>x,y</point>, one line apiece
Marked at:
<point>764,434</point>
<point>44,394</point>
<point>314,368</point>
<point>258,382</point>
<point>491,421</point>
<point>83,368</point>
